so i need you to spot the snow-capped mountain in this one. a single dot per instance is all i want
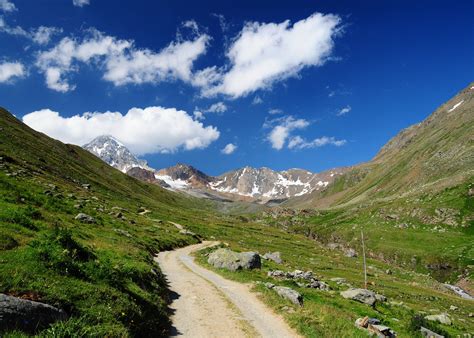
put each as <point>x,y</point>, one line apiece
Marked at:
<point>251,184</point>
<point>265,184</point>
<point>112,151</point>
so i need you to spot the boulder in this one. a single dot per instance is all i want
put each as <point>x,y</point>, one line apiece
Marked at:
<point>233,261</point>
<point>364,296</point>
<point>290,294</point>
<point>273,256</point>
<point>84,218</point>
<point>442,318</point>
<point>26,315</point>
<point>350,253</point>
<point>429,334</point>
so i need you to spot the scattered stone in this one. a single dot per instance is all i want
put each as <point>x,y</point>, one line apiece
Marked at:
<point>350,253</point>
<point>290,294</point>
<point>273,256</point>
<point>429,334</point>
<point>187,232</point>
<point>269,285</point>
<point>460,292</point>
<point>442,318</point>
<point>86,186</point>
<point>338,280</point>
<point>364,296</point>
<point>403,225</point>
<point>453,308</point>
<point>84,218</point>
<point>233,261</point>
<point>27,315</point>
<point>300,275</point>
<point>373,326</point>
<point>388,272</point>
<point>123,232</point>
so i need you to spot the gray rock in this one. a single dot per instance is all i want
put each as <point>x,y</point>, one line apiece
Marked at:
<point>187,232</point>
<point>84,218</point>
<point>429,334</point>
<point>442,318</point>
<point>273,256</point>
<point>26,315</point>
<point>233,261</point>
<point>364,296</point>
<point>350,253</point>
<point>276,274</point>
<point>290,294</point>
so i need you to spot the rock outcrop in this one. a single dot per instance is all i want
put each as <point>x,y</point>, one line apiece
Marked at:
<point>26,315</point>
<point>364,296</point>
<point>233,261</point>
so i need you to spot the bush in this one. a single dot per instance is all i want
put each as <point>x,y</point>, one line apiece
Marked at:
<point>60,251</point>
<point>21,217</point>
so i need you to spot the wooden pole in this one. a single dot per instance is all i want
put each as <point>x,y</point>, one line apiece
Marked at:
<point>363,254</point>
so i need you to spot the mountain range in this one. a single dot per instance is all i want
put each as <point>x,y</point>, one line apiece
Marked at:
<point>248,184</point>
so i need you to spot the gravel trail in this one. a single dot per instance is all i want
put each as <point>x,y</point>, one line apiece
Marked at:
<point>204,304</point>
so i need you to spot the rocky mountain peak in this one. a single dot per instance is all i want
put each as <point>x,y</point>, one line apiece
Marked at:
<point>115,153</point>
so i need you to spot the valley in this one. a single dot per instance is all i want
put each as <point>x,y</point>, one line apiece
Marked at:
<point>79,234</point>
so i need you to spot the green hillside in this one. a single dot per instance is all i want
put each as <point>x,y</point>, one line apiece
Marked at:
<point>415,199</point>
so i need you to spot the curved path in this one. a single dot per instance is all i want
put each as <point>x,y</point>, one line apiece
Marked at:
<point>204,304</point>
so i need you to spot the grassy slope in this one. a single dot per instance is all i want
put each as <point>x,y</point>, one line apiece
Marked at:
<point>426,167</point>
<point>100,273</point>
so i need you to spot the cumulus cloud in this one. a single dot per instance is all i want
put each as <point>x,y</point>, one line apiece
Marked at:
<point>297,142</point>
<point>121,62</point>
<point>143,131</point>
<point>80,3</point>
<point>265,53</point>
<point>281,129</point>
<point>10,70</point>
<point>7,6</point>
<point>229,149</point>
<point>41,35</point>
<point>344,111</point>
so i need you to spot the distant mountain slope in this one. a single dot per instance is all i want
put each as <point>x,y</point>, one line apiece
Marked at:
<point>431,155</point>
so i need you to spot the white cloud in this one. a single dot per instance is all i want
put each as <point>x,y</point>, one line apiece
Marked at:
<point>41,35</point>
<point>121,62</point>
<point>281,129</point>
<point>229,149</point>
<point>275,111</point>
<point>265,53</point>
<point>80,3</point>
<point>143,131</point>
<point>198,115</point>
<point>297,142</point>
<point>218,107</point>
<point>10,70</point>
<point>7,6</point>
<point>257,100</point>
<point>344,111</point>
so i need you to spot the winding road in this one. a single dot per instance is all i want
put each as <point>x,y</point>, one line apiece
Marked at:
<point>204,304</point>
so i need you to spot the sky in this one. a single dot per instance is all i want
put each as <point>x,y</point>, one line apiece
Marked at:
<point>225,84</point>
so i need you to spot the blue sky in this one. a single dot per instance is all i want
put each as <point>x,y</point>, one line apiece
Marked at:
<point>308,84</point>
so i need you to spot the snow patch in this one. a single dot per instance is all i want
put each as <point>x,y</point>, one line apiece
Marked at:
<point>175,184</point>
<point>455,106</point>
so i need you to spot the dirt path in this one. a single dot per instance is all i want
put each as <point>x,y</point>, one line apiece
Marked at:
<point>208,305</point>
